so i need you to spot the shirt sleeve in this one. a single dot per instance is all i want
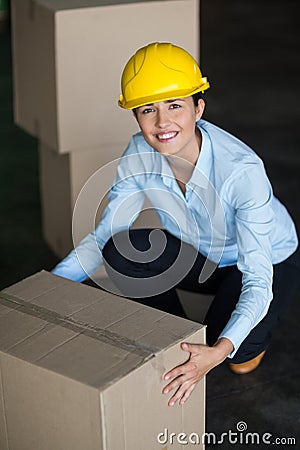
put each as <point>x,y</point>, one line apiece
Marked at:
<point>250,195</point>
<point>125,200</point>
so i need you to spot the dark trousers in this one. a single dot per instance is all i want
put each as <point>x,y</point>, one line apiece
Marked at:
<point>130,273</point>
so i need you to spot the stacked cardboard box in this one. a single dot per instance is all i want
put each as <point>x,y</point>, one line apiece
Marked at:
<point>68,57</point>
<point>81,369</point>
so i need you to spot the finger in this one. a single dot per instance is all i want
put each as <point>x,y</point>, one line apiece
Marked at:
<point>173,373</point>
<point>173,385</point>
<point>185,346</point>
<point>178,381</point>
<point>187,394</point>
<point>179,393</point>
<point>192,348</point>
<point>179,370</point>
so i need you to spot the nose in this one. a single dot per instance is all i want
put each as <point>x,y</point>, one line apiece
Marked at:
<point>162,118</point>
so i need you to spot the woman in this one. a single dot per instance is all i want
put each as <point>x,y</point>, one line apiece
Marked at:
<point>223,231</point>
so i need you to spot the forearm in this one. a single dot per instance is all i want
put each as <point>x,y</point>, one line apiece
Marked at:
<point>81,262</point>
<point>252,306</point>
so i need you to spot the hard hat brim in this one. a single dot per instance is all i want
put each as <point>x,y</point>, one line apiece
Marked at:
<point>161,97</point>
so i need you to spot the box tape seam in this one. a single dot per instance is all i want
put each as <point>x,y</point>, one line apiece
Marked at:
<point>144,350</point>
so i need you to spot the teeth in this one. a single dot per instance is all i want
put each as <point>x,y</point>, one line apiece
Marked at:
<point>167,135</point>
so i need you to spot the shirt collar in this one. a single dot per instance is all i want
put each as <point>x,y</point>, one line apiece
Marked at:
<point>202,171</point>
<point>166,172</point>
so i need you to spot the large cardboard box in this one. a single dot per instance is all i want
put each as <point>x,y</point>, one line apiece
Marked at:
<point>81,369</point>
<point>85,178</point>
<point>68,56</point>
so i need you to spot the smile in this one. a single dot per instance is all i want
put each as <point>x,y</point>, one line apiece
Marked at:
<point>166,136</point>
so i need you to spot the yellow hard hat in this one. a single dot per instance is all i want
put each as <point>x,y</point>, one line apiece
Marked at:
<point>159,72</point>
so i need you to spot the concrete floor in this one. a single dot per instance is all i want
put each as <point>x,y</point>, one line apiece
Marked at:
<point>250,52</point>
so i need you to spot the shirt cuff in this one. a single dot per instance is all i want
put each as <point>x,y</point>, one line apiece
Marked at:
<point>72,272</point>
<point>236,330</point>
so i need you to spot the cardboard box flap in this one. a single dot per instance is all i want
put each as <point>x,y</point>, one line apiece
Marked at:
<point>99,366</point>
<point>18,326</point>
<point>95,309</point>
<point>4,310</point>
<point>53,293</point>
<point>62,348</point>
<point>54,326</point>
<point>34,286</point>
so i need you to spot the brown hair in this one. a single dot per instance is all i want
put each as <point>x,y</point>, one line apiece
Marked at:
<point>196,97</point>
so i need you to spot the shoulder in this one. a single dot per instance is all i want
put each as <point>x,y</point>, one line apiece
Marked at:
<point>239,170</point>
<point>228,149</point>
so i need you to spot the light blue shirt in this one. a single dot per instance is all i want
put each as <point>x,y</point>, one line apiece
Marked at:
<point>228,213</point>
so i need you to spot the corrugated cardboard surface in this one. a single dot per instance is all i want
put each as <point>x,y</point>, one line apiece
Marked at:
<point>68,57</point>
<point>81,369</point>
<point>47,411</point>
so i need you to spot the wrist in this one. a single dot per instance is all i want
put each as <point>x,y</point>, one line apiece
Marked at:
<point>222,348</point>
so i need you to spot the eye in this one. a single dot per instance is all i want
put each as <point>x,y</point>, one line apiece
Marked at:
<point>147,110</point>
<point>175,106</point>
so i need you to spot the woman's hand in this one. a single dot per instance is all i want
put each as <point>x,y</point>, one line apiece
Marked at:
<point>186,376</point>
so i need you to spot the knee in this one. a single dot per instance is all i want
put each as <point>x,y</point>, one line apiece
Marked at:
<point>110,253</point>
<point>124,247</point>
<point>107,249</point>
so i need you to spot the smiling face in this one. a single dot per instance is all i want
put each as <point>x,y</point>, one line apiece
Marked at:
<point>169,127</point>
